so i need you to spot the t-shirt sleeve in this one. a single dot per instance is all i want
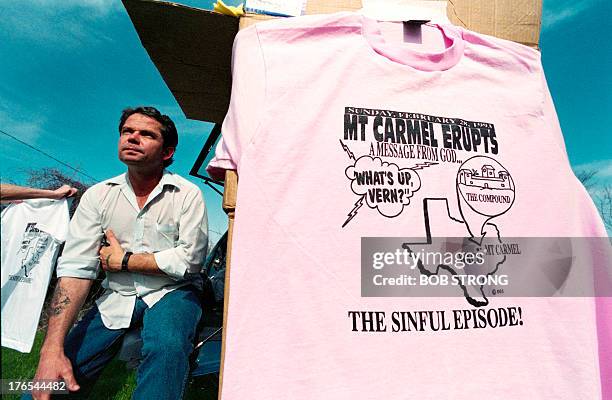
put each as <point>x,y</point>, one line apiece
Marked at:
<point>549,114</point>
<point>247,103</point>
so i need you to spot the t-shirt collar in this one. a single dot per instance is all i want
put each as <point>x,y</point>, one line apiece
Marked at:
<point>424,61</point>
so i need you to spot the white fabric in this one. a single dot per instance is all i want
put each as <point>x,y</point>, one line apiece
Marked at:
<point>32,232</point>
<point>172,224</point>
<point>406,10</point>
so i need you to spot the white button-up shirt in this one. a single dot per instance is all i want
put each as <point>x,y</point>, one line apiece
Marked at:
<point>172,225</point>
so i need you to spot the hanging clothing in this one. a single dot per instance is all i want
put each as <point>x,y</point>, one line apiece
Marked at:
<point>32,234</point>
<point>340,134</point>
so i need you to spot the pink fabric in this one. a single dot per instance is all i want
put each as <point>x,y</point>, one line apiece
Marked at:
<point>300,217</point>
<point>604,332</point>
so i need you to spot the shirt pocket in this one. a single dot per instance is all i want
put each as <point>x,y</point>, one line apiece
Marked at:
<point>167,236</point>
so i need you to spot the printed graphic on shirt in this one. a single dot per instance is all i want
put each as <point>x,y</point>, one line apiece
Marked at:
<point>484,188</point>
<point>33,245</point>
<point>418,141</point>
<point>474,278</point>
<point>384,186</point>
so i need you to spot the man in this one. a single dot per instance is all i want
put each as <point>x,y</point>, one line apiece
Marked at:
<point>13,192</point>
<point>156,225</point>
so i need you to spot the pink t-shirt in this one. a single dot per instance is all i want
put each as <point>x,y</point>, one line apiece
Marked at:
<point>339,132</point>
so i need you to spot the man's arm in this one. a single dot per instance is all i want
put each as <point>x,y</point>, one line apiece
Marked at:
<point>69,296</point>
<point>14,192</point>
<point>111,257</point>
<point>186,256</point>
<point>76,269</point>
<point>189,252</point>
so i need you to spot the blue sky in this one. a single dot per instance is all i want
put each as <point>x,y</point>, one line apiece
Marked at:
<point>68,68</point>
<point>577,57</point>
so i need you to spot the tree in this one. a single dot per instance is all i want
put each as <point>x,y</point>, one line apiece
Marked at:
<point>587,178</point>
<point>603,201</point>
<point>52,178</point>
<point>601,194</point>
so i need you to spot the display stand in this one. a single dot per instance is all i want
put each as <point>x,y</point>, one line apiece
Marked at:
<point>229,206</point>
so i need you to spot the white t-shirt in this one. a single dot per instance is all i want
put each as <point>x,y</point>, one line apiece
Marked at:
<point>32,232</point>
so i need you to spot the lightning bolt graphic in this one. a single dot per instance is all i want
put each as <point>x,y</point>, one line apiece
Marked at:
<point>423,165</point>
<point>353,212</point>
<point>359,202</point>
<point>348,151</point>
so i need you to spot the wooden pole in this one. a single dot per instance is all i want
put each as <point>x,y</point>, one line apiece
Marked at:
<point>229,206</point>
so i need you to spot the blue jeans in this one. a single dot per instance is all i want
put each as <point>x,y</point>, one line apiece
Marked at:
<point>168,331</point>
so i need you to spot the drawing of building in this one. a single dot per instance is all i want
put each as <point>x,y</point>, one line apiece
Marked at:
<point>488,171</point>
<point>487,179</point>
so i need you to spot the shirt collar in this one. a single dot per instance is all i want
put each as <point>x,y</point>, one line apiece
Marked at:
<point>167,178</point>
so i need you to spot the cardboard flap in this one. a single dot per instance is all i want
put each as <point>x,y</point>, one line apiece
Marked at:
<point>192,50</point>
<point>516,20</point>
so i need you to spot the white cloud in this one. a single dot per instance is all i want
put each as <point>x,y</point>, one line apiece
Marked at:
<point>28,130</point>
<point>98,7</point>
<point>29,125</point>
<point>67,23</point>
<point>556,12</point>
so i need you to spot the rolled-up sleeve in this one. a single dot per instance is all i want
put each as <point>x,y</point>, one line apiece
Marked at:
<point>187,256</point>
<point>80,256</point>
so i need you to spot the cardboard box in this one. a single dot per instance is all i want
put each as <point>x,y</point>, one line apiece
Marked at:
<point>516,20</point>
<point>191,47</point>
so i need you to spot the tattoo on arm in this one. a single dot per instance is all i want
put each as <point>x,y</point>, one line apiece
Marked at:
<point>59,302</point>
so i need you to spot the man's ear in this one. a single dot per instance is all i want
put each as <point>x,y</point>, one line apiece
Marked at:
<point>168,152</point>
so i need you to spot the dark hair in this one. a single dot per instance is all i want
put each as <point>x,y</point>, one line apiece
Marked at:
<point>168,130</point>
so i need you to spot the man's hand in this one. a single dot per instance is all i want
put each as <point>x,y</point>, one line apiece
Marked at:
<point>63,191</point>
<point>111,255</point>
<point>54,365</point>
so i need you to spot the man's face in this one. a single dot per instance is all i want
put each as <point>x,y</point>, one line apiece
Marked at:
<point>141,142</point>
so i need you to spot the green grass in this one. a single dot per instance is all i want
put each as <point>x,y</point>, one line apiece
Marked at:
<point>116,383</point>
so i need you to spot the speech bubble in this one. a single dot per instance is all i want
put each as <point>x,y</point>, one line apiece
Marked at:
<point>486,186</point>
<point>485,190</point>
<point>384,186</point>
